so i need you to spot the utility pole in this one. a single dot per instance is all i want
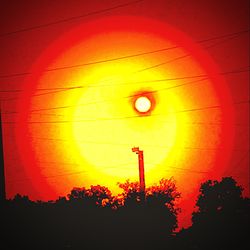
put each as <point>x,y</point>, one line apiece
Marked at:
<point>2,178</point>
<point>141,167</point>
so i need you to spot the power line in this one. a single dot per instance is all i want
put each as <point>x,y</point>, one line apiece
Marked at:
<point>124,83</point>
<point>124,117</point>
<point>63,174</point>
<point>108,167</point>
<point>76,164</point>
<point>117,165</point>
<point>110,85</point>
<point>228,36</point>
<point>139,71</point>
<point>129,96</point>
<point>129,144</point>
<point>72,18</point>
<point>114,84</point>
<point>183,56</point>
<point>92,63</point>
<point>135,72</point>
<point>191,171</point>
<point>48,177</point>
<point>112,99</point>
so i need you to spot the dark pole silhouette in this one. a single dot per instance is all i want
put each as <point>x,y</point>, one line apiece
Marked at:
<point>141,167</point>
<point>2,179</point>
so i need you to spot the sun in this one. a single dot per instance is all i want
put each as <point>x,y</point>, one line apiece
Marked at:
<point>142,104</point>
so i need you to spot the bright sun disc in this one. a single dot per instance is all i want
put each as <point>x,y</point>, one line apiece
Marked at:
<point>142,104</point>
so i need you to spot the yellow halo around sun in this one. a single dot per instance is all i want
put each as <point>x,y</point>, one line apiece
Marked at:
<point>110,106</point>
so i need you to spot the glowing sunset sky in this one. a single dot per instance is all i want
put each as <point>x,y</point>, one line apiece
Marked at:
<point>71,72</point>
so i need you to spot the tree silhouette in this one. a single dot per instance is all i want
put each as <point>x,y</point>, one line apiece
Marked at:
<point>94,196</point>
<point>21,200</point>
<point>91,218</point>
<point>221,219</point>
<point>131,194</point>
<point>148,221</point>
<point>217,196</point>
<point>164,194</point>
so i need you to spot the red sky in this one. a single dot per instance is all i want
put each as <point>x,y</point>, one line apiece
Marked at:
<point>24,37</point>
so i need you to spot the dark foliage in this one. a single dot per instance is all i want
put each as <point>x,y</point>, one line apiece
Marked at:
<point>94,219</point>
<point>221,219</point>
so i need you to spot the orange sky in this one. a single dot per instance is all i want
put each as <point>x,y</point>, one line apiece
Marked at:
<point>55,139</point>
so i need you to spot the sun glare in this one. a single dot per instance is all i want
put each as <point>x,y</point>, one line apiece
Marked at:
<point>120,101</point>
